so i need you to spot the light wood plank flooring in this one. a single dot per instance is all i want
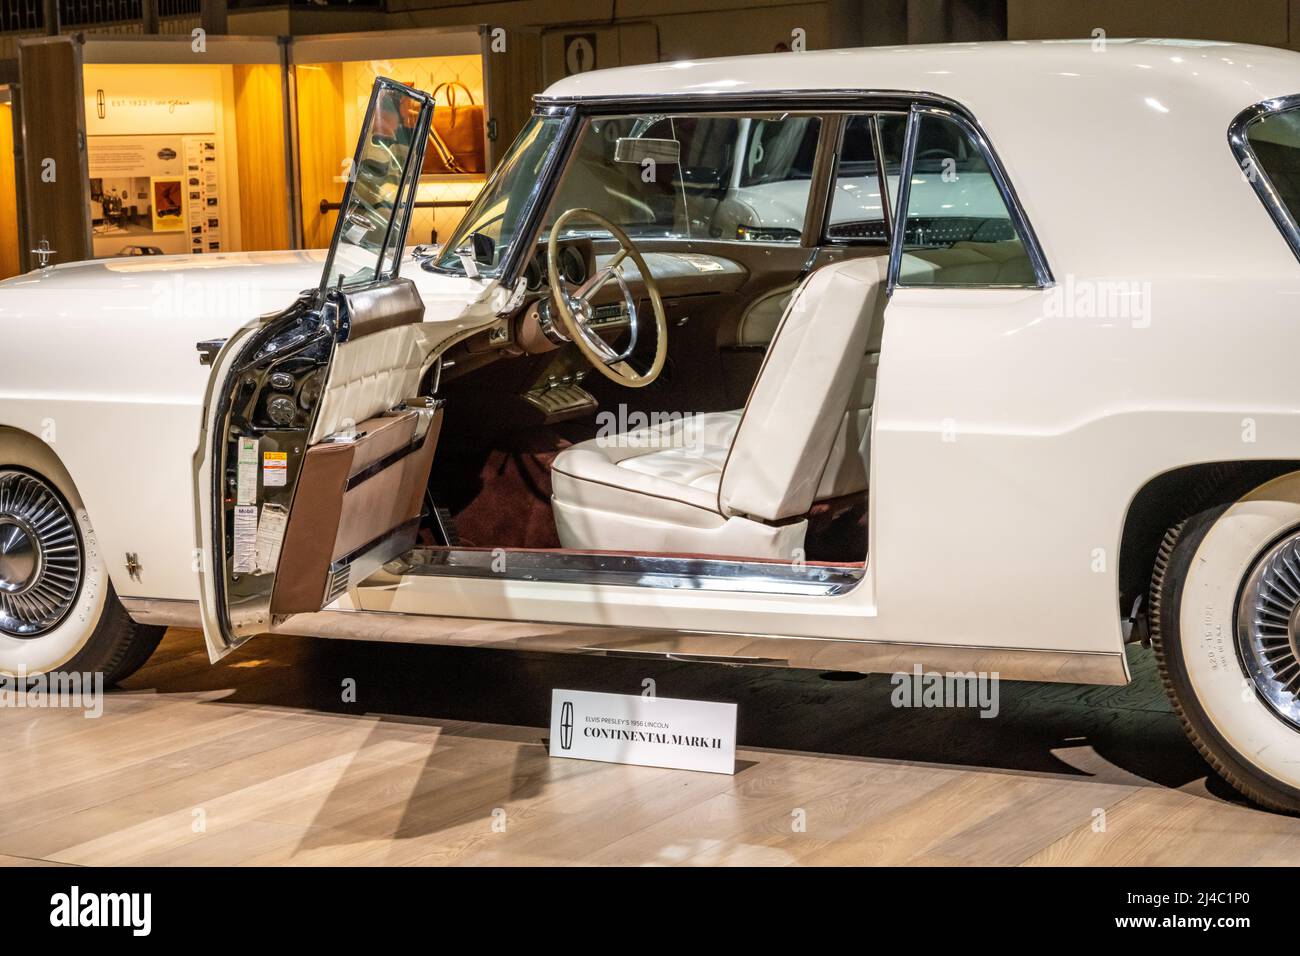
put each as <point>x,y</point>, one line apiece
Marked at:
<point>441,759</point>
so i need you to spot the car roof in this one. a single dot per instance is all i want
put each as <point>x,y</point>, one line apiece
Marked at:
<point>983,76</point>
<point>1113,148</point>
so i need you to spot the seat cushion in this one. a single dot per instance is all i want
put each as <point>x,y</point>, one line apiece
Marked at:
<point>691,454</point>
<point>666,467</point>
<point>656,489</point>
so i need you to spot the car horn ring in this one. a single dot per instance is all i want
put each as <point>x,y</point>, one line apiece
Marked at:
<point>574,310</point>
<point>583,312</point>
<point>40,556</point>
<point>1268,627</point>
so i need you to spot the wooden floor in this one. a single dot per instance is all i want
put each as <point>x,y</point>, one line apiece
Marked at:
<point>442,759</point>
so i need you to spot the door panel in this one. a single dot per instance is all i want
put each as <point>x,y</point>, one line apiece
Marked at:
<point>381,361</point>
<point>316,453</point>
<point>333,540</point>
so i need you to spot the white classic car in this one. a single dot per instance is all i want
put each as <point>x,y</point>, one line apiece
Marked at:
<point>1027,404</point>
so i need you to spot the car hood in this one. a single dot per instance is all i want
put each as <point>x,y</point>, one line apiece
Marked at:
<point>291,270</point>
<point>210,295</point>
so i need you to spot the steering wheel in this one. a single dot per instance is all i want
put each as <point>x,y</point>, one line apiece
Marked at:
<point>576,311</point>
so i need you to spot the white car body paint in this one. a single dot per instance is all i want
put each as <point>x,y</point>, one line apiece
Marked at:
<point>1012,428</point>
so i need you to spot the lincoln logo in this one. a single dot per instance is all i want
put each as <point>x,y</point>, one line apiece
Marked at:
<point>566,725</point>
<point>100,106</point>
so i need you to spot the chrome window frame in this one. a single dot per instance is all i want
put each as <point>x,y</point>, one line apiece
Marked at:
<point>1260,182</point>
<point>581,108</point>
<point>1043,278</point>
<point>882,179</point>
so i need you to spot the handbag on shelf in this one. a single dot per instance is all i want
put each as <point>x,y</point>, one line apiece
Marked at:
<point>456,136</point>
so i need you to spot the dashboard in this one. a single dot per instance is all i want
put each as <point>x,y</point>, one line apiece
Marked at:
<point>550,372</point>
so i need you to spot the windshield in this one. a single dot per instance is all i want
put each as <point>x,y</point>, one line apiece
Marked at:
<point>500,210</point>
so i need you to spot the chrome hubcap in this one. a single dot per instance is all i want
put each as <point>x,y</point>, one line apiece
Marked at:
<point>40,556</point>
<point>20,556</point>
<point>1268,628</point>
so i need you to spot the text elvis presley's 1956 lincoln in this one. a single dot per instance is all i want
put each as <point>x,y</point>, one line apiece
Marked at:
<point>973,357</point>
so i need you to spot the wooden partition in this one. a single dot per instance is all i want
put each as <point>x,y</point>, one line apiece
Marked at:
<point>320,147</point>
<point>263,184</point>
<point>10,263</point>
<point>54,153</point>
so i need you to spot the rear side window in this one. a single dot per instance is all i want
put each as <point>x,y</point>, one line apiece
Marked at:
<point>1274,161</point>
<point>859,207</point>
<point>958,230</point>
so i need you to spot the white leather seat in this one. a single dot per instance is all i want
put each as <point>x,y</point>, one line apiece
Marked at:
<point>742,482</point>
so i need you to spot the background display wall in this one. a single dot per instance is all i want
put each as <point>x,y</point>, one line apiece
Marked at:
<point>158,144</point>
<point>240,147</point>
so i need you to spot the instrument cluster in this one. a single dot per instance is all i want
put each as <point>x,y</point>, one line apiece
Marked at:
<point>572,265</point>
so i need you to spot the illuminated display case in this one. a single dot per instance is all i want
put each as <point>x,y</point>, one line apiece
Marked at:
<point>168,144</point>
<point>332,77</point>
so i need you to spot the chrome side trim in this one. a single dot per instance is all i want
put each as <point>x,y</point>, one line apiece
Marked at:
<point>167,612</point>
<point>662,571</point>
<point>865,657</point>
<point>1256,175</point>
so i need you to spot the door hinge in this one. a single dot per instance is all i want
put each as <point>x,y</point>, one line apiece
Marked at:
<point>208,350</point>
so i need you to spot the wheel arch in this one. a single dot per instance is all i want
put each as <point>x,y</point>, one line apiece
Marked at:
<point>22,448</point>
<point>1169,497</point>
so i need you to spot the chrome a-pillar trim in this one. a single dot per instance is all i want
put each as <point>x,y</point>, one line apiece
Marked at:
<point>1254,173</point>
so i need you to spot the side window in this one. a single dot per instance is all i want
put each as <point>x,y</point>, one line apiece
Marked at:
<point>958,230</point>
<point>858,209</point>
<point>695,177</point>
<point>774,176</point>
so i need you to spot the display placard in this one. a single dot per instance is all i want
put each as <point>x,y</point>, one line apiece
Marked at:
<point>646,731</point>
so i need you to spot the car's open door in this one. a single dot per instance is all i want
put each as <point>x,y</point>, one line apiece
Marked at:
<point>316,447</point>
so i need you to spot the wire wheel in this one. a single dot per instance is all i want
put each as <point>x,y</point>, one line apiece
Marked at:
<point>1268,627</point>
<point>40,556</point>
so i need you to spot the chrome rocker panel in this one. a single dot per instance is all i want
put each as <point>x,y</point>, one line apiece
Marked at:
<point>865,657</point>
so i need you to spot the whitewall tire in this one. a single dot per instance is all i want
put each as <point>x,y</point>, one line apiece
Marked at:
<point>1225,615</point>
<point>58,610</point>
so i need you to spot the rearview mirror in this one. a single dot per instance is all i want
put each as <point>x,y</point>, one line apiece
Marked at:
<point>629,149</point>
<point>479,249</point>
